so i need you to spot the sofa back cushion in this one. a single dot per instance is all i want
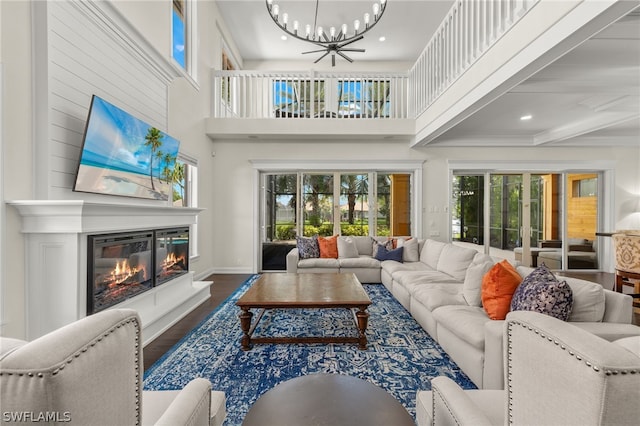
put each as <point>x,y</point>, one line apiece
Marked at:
<point>454,260</point>
<point>588,298</point>
<point>588,301</point>
<point>347,248</point>
<point>411,251</point>
<point>472,286</point>
<point>431,253</point>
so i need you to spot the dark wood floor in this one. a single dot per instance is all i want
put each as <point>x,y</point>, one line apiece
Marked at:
<point>225,284</point>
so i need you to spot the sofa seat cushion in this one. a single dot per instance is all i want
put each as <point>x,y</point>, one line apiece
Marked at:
<point>318,263</point>
<point>454,260</point>
<point>394,267</point>
<point>359,262</point>
<point>465,322</point>
<point>407,278</point>
<point>433,298</point>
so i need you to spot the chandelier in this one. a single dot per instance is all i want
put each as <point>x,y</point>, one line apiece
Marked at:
<point>333,41</point>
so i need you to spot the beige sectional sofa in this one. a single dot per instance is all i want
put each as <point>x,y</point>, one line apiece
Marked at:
<point>442,291</point>
<point>362,264</point>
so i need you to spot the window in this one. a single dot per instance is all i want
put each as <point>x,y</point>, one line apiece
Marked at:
<point>185,192</point>
<point>179,32</point>
<point>533,217</point>
<point>298,98</point>
<point>354,204</point>
<point>368,98</point>
<point>584,187</point>
<point>183,25</point>
<point>227,65</point>
<point>318,199</point>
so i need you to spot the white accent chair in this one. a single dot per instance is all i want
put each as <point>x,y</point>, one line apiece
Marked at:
<point>556,374</point>
<point>90,373</point>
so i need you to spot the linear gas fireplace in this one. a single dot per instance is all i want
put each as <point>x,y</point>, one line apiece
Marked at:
<point>123,265</point>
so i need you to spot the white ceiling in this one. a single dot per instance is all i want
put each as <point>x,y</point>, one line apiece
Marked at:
<point>586,97</point>
<point>406,24</point>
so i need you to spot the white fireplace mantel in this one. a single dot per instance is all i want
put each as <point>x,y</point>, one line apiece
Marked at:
<point>56,262</point>
<point>82,217</point>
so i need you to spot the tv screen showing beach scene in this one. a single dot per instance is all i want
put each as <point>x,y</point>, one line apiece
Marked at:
<point>123,155</point>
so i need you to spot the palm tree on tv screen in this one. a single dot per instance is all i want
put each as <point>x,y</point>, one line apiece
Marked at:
<point>153,139</point>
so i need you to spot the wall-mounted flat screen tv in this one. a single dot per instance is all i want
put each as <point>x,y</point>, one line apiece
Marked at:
<point>123,155</point>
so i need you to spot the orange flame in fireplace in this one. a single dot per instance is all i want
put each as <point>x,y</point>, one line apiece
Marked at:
<point>123,271</point>
<point>171,260</point>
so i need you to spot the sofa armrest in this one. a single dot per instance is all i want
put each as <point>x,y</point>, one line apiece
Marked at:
<point>618,307</point>
<point>192,406</point>
<point>452,406</point>
<point>292,261</point>
<point>493,371</point>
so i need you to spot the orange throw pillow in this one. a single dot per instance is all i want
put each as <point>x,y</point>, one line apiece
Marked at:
<point>498,286</point>
<point>328,247</point>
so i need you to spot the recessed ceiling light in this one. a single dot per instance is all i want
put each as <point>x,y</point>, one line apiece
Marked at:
<point>283,38</point>
<point>383,38</point>
<point>526,117</point>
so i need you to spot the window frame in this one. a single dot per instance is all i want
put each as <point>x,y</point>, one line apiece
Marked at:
<point>606,187</point>
<point>189,71</point>
<point>260,167</point>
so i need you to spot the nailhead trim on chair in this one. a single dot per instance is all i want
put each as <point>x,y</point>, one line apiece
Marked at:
<point>564,348</point>
<point>433,406</point>
<point>90,345</point>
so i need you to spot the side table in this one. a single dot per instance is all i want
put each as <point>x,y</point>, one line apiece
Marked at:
<point>327,399</point>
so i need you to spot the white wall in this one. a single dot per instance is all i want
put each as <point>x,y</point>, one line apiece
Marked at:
<point>233,218</point>
<point>27,171</point>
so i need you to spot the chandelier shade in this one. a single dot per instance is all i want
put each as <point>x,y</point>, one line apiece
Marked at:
<point>332,40</point>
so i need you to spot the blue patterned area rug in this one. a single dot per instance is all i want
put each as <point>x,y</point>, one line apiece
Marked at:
<point>401,357</point>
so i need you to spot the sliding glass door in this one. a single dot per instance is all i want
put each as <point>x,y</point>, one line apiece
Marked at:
<point>534,218</point>
<point>330,203</point>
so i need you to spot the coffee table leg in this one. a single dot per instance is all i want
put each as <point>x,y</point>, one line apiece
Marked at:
<point>245,324</point>
<point>363,319</point>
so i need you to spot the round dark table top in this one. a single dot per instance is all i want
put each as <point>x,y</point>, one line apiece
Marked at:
<point>327,399</point>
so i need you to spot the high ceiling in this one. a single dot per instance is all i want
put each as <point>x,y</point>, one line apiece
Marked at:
<point>258,38</point>
<point>590,96</point>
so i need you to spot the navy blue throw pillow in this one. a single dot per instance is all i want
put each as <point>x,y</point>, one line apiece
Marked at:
<point>386,254</point>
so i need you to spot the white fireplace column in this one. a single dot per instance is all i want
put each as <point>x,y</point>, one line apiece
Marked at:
<point>56,262</point>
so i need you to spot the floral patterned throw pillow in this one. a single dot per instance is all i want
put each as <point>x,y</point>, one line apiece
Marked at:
<point>540,291</point>
<point>308,247</point>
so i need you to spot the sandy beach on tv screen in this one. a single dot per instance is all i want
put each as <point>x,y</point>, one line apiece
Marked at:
<point>108,181</point>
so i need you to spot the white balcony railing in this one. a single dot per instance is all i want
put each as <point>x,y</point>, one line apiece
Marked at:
<point>470,28</point>
<point>253,94</point>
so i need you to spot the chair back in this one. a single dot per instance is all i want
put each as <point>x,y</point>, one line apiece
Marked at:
<point>560,374</point>
<point>86,373</point>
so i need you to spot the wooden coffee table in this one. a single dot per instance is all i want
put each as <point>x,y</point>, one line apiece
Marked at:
<point>327,399</point>
<point>310,291</point>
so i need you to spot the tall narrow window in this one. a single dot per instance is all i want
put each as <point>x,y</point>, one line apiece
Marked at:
<point>318,204</point>
<point>185,192</point>
<point>183,35</point>
<point>227,65</point>
<point>179,32</point>
<point>354,204</point>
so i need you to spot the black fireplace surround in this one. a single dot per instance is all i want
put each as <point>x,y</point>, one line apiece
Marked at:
<point>123,265</point>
